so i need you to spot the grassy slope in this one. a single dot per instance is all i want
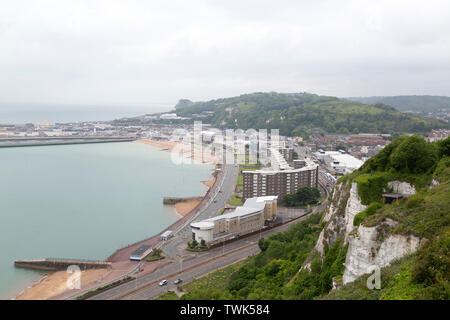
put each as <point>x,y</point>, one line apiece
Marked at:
<point>295,113</point>
<point>414,103</point>
<point>425,274</point>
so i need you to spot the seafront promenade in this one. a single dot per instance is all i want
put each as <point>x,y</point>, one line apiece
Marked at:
<point>121,267</point>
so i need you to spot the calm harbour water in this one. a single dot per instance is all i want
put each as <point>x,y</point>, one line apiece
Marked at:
<point>84,201</point>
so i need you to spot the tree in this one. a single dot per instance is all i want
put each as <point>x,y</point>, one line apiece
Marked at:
<point>413,155</point>
<point>444,147</point>
<point>289,200</point>
<point>263,244</point>
<point>307,195</point>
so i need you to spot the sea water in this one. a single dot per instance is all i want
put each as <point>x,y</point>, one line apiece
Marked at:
<point>84,201</point>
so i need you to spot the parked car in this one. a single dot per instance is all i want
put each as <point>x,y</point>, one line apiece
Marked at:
<point>179,280</point>
<point>163,283</point>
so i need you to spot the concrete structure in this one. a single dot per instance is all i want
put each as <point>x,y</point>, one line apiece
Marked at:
<point>299,164</point>
<point>140,253</point>
<point>287,153</point>
<point>243,220</point>
<point>281,180</point>
<point>54,264</point>
<point>203,230</point>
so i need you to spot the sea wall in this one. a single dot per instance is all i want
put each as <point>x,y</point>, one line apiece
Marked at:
<point>172,201</point>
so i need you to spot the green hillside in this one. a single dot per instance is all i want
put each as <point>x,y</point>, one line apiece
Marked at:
<point>298,113</point>
<point>422,104</point>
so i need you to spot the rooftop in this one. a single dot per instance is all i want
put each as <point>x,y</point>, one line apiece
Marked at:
<point>141,250</point>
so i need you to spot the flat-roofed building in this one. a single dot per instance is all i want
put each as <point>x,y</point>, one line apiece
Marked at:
<point>246,219</point>
<point>141,253</point>
<point>339,162</point>
<point>262,183</point>
<point>287,153</point>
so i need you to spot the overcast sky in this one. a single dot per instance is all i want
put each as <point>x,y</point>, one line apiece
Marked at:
<point>156,52</point>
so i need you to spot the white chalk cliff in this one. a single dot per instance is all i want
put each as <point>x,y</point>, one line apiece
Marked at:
<point>369,247</point>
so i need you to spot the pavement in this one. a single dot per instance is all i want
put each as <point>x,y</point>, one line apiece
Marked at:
<point>177,244</point>
<point>188,266</point>
<point>146,286</point>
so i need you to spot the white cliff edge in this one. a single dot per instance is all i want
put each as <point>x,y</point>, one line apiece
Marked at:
<point>369,247</point>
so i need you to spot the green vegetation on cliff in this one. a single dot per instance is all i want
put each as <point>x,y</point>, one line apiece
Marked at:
<point>288,267</point>
<point>297,113</point>
<point>426,215</point>
<point>274,273</point>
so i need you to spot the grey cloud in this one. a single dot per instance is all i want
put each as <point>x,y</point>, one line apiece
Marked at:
<point>139,52</point>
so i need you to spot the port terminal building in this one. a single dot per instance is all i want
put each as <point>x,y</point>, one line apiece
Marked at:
<point>249,218</point>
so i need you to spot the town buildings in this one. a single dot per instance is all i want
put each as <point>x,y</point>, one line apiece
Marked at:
<point>437,135</point>
<point>246,219</point>
<point>338,163</point>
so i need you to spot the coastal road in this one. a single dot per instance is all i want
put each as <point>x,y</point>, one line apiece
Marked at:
<point>147,286</point>
<point>191,265</point>
<point>230,176</point>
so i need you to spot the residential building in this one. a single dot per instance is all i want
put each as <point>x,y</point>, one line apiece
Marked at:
<point>280,180</point>
<point>243,220</point>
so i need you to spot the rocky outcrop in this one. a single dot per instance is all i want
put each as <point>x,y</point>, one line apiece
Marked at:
<point>434,183</point>
<point>354,206</point>
<point>402,187</point>
<point>371,247</point>
<point>345,204</point>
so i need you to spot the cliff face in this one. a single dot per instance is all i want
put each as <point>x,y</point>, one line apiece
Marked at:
<point>374,247</point>
<point>369,247</point>
<point>402,187</point>
<point>343,208</point>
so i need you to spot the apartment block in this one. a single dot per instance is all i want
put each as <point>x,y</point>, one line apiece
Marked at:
<point>262,183</point>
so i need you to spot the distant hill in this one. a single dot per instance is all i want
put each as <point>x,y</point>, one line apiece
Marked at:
<point>422,104</point>
<point>298,113</point>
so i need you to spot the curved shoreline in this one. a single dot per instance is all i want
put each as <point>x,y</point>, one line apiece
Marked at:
<point>184,209</point>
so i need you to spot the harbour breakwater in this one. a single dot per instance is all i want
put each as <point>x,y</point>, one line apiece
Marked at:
<point>50,264</point>
<point>49,141</point>
<point>172,201</point>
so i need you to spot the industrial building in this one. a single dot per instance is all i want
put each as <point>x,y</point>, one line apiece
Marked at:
<point>141,253</point>
<point>339,163</point>
<point>243,220</point>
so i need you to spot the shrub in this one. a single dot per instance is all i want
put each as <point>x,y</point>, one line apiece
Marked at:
<point>371,210</point>
<point>414,201</point>
<point>371,186</point>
